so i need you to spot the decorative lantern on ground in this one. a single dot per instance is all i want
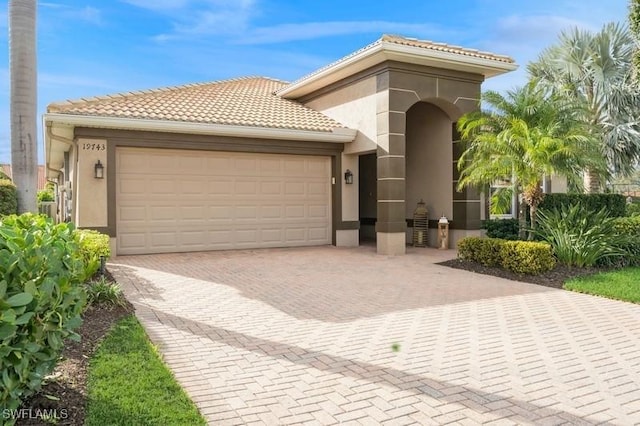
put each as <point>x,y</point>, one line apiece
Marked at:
<point>420,225</point>
<point>443,233</point>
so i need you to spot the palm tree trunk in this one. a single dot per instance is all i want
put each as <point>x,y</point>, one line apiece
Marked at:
<point>533,210</point>
<point>24,152</point>
<point>591,180</point>
<point>522,219</point>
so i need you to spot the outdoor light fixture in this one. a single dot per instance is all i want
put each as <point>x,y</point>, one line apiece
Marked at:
<point>348,177</point>
<point>98,170</point>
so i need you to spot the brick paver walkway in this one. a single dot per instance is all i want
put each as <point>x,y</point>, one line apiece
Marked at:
<point>306,335</point>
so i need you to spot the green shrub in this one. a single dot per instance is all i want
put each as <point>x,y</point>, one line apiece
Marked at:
<point>506,229</point>
<point>92,245</point>
<point>104,292</point>
<point>632,209</point>
<point>614,204</point>
<point>581,237</point>
<point>41,298</point>
<point>629,227</point>
<point>527,257</point>
<point>485,251</point>
<point>522,257</point>
<point>8,198</point>
<point>44,196</point>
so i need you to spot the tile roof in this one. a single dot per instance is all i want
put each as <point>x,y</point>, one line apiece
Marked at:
<point>443,47</point>
<point>413,42</point>
<point>42,179</point>
<point>248,101</point>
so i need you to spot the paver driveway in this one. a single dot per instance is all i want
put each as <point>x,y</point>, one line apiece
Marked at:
<point>306,335</point>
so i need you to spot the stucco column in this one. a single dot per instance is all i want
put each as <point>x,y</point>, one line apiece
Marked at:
<point>391,224</point>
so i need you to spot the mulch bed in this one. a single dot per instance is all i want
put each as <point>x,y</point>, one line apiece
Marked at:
<point>554,278</point>
<point>66,392</point>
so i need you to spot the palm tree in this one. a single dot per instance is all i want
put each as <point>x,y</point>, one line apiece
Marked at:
<point>524,136</point>
<point>595,70</point>
<point>24,153</point>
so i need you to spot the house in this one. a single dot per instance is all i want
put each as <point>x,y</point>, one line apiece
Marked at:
<point>42,179</point>
<point>341,154</point>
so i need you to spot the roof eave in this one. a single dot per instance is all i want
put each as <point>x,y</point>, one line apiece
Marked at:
<point>69,121</point>
<point>385,51</point>
<point>337,135</point>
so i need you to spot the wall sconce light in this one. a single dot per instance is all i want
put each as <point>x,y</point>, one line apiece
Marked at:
<point>98,170</point>
<point>348,177</point>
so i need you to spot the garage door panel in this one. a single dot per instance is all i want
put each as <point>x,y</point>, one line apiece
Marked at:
<point>295,189</point>
<point>246,188</point>
<point>221,186</point>
<point>194,200</point>
<point>318,212</point>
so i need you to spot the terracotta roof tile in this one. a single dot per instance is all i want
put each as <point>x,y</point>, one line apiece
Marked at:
<point>443,47</point>
<point>42,179</point>
<point>425,44</point>
<point>248,101</point>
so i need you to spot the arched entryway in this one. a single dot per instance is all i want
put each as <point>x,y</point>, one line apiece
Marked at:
<point>429,162</point>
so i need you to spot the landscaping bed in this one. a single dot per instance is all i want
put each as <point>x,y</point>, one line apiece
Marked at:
<point>65,393</point>
<point>554,278</point>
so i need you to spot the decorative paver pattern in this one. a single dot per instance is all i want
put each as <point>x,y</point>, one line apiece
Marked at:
<point>289,336</point>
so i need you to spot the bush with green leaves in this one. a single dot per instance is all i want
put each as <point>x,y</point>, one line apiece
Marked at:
<point>521,257</point>
<point>41,299</point>
<point>632,209</point>
<point>506,229</point>
<point>614,204</point>
<point>8,198</point>
<point>629,227</point>
<point>581,237</point>
<point>104,292</point>
<point>92,245</point>
<point>527,257</point>
<point>485,251</point>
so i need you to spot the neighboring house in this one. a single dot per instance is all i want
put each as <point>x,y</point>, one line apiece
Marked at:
<point>42,178</point>
<point>255,162</point>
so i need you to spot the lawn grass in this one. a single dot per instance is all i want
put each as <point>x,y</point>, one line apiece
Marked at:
<point>623,284</point>
<point>128,384</point>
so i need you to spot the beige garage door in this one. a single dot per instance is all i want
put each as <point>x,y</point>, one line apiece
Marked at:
<point>177,200</point>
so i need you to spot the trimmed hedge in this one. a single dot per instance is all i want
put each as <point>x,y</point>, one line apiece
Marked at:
<point>92,245</point>
<point>521,257</point>
<point>506,229</point>
<point>615,204</point>
<point>41,299</point>
<point>8,198</point>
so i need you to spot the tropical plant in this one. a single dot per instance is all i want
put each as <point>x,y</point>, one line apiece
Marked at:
<point>104,292</point>
<point>22,60</point>
<point>579,237</point>
<point>47,194</point>
<point>41,299</point>
<point>525,135</point>
<point>634,26</point>
<point>8,198</point>
<point>92,246</point>
<point>594,70</point>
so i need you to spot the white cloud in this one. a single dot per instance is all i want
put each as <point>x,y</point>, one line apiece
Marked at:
<point>87,14</point>
<point>159,5</point>
<point>191,19</point>
<point>313,30</point>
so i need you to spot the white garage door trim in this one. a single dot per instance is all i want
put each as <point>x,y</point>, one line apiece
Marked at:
<point>181,200</point>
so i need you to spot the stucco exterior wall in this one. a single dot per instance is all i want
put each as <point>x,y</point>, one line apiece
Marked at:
<point>91,193</point>
<point>429,160</point>
<point>353,105</point>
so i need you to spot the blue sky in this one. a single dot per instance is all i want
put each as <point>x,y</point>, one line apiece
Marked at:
<point>91,47</point>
